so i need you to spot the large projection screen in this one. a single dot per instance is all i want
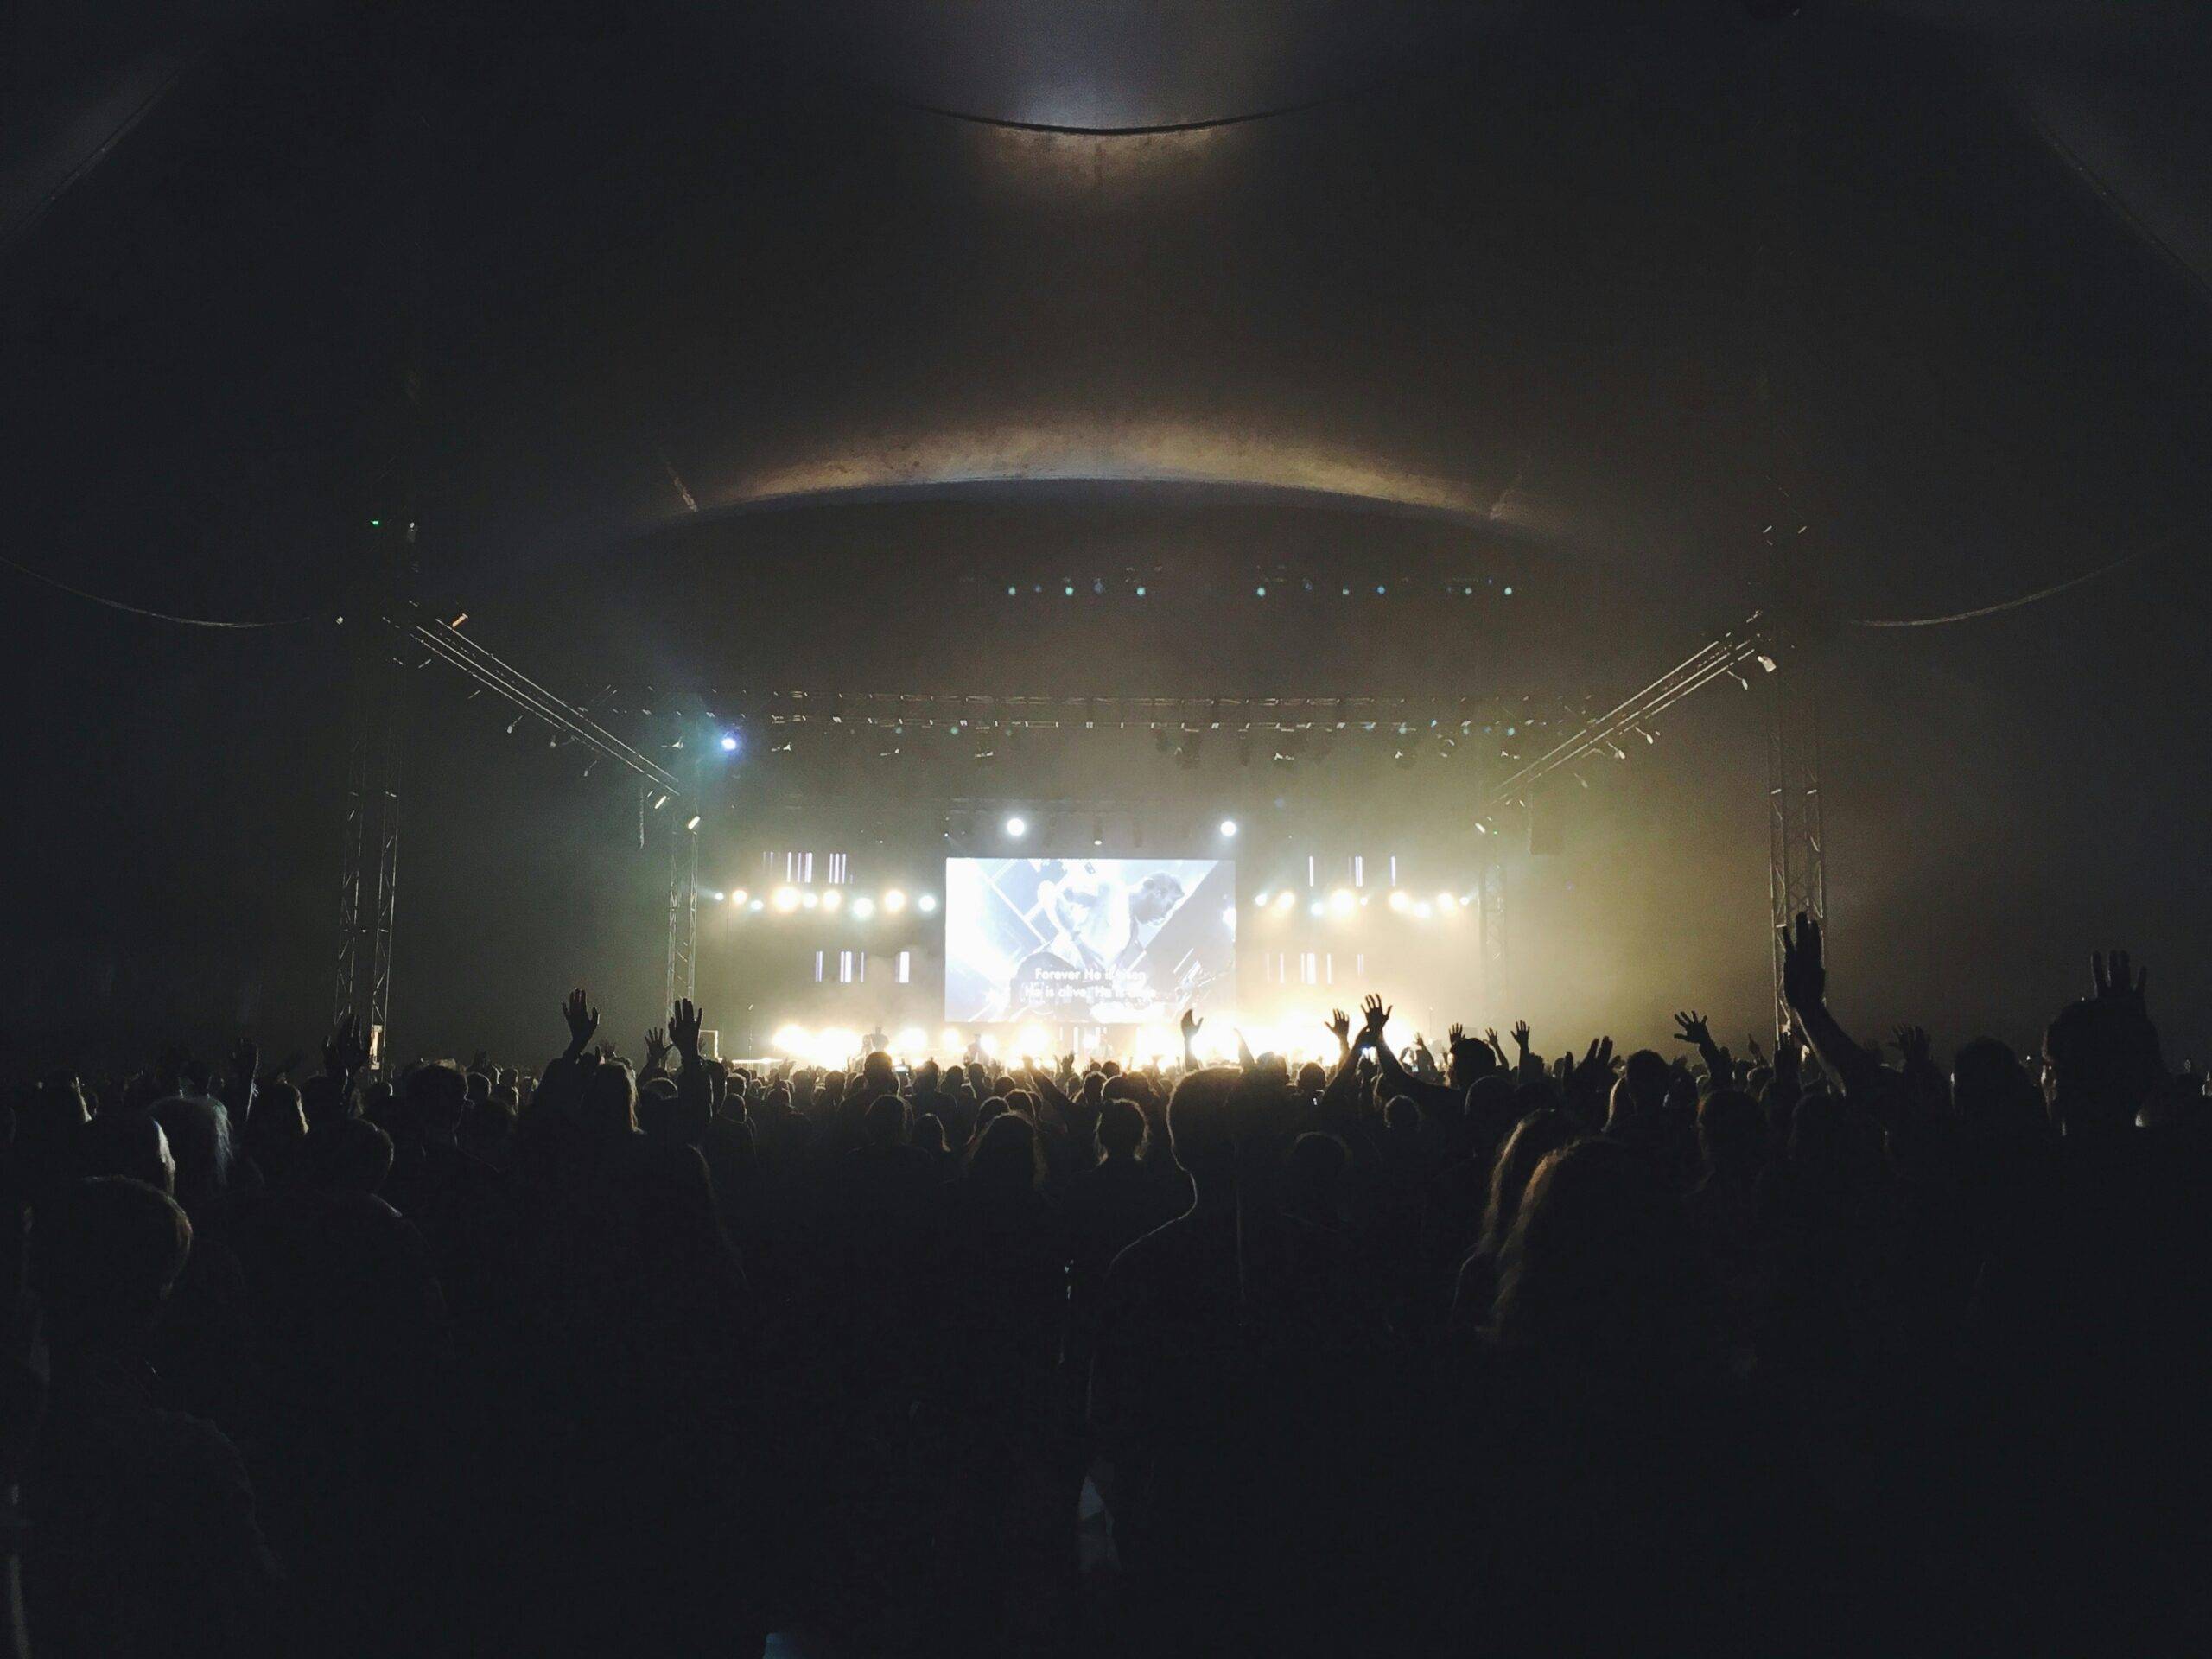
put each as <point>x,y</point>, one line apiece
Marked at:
<point>1093,941</point>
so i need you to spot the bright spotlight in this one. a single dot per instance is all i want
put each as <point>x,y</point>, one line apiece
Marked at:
<point>1017,826</point>
<point>755,905</point>
<point>1424,910</point>
<point>790,1039</point>
<point>911,1040</point>
<point>729,742</point>
<point>714,894</point>
<point>1342,901</point>
<point>1446,903</point>
<point>864,908</point>
<point>692,822</point>
<point>1398,899</point>
<point>809,899</point>
<point>1260,903</point>
<point>738,896</point>
<point>950,1040</point>
<point>833,899</point>
<point>1317,908</point>
<point>926,903</point>
<point>786,899</point>
<point>894,901</point>
<point>1228,829</point>
<point>1284,900</point>
<point>1034,1039</point>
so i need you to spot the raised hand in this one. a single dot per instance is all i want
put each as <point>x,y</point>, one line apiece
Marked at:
<point>1804,974</point>
<point>1377,1017</point>
<point>346,1051</point>
<point>1694,1029</point>
<point>2114,980</point>
<point>583,1020</point>
<point>1456,1035</point>
<point>656,1047</point>
<point>1521,1035</point>
<point>1496,1047</point>
<point>1191,1027</point>
<point>683,1023</point>
<point>1597,1064</point>
<point>1914,1047</point>
<point>1340,1023</point>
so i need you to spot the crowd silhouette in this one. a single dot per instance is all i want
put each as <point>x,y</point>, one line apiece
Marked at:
<point>1827,1350</point>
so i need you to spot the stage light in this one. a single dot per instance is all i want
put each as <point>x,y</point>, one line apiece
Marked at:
<point>692,822</point>
<point>789,1039</point>
<point>1017,826</point>
<point>1508,591</point>
<point>832,900</point>
<point>729,742</point>
<point>926,903</point>
<point>948,1039</point>
<point>1139,590</point>
<point>1446,903</point>
<point>1399,898</point>
<point>1342,901</point>
<point>809,899</point>
<point>1285,901</point>
<point>1034,1039</point>
<point>1228,829</point>
<point>1423,909</point>
<point>737,897</point>
<point>714,894</point>
<point>864,908</point>
<point>1260,903</point>
<point>911,1040</point>
<point>894,901</point>
<point>1260,591</point>
<point>989,1045</point>
<point>755,905</point>
<point>787,898</point>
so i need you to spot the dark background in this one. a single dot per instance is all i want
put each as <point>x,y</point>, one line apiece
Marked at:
<point>745,365</point>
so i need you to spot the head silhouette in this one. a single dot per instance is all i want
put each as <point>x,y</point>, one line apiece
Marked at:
<point>104,1256</point>
<point>1534,1138</point>
<point>1600,1269</point>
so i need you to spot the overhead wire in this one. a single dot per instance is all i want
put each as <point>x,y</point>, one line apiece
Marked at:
<point>158,616</point>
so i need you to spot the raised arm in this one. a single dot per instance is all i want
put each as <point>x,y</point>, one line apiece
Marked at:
<point>1805,987</point>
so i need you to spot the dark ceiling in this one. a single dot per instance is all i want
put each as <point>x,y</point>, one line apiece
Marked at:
<point>1611,280</point>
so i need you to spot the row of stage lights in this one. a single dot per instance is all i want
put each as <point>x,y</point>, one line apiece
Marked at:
<point>786,900</point>
<point>1345,904</point>
<point>1297,1039</point>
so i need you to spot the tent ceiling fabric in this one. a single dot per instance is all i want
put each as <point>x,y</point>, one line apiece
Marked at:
<point>1603,277</point>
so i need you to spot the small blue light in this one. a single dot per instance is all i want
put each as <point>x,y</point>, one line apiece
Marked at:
<point>1380,589</point>
<point>1011,590</point>
<point>1260,592</point>
<point>1139,590</point>
<point>1509,590</point>
<point>1069,590</point>
<point>729,742</point>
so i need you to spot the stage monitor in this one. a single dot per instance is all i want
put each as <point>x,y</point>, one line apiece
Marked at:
<point>1088,941</point>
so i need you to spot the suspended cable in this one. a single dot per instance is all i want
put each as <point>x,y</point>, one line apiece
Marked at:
<point>2013,604</point>
<point>158,616</point>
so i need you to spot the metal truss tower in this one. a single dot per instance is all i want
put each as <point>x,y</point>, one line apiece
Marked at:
<point>683,913</point>
<point>1797,878</point>
<point>368,866</point>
